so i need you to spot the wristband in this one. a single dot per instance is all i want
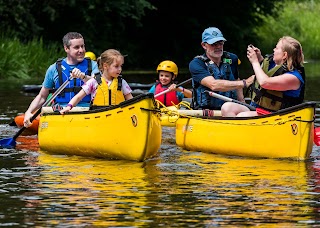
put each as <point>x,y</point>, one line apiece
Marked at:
<point>70,105</point>
<point>244,83</point>
<point>84,76</point>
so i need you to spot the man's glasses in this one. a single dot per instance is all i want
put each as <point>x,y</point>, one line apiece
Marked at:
<point>219,43</point>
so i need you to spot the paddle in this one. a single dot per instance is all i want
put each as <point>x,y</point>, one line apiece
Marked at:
<point>13,123</point>
<point>224,98</point>
<point>10,142</point>
<point>166,91</point>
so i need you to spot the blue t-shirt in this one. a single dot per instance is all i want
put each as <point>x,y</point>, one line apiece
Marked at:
<point>295,72</point>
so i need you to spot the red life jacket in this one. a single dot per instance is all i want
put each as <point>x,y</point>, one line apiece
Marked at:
<point>169,98</point>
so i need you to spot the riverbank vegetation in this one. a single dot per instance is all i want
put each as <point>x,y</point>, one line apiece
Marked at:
<point>26,60</point>
<point>148,33</point>
<point>299,19</point>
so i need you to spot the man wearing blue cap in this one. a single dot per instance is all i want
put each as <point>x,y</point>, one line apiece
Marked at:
<point>216,70</point>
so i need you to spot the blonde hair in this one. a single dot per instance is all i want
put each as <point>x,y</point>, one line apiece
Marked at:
<point>108,56</point>
<point>294,50</point>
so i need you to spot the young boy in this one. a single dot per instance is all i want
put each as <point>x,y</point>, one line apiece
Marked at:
<point>168,72</point>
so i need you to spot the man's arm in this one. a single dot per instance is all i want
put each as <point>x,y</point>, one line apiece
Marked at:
<point>221,84</point>
<point>37,102</point>
<point>240,96</point>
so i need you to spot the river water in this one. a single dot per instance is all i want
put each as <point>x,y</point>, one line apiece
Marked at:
<point>176,188</point>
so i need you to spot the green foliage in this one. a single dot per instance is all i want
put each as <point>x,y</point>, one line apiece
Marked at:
<point>32,18</point>
<point>17,17</point>
<point>26,60</point>
<point>298,19</point>
<point>148,31</point>
<point>140,29</point>
<point>174,32</point>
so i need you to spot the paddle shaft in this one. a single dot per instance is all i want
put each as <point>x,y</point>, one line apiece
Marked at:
<point>166,91</point>
<point>204,112</point>
<point>54,95</point>
<point>224,98</point>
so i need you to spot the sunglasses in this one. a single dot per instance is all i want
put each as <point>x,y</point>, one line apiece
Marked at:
<point>219,43</point>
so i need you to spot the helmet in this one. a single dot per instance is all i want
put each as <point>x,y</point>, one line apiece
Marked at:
<point>168,65</point>
<point>90,55</point>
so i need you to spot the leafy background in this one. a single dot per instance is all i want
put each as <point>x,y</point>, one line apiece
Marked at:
<point>147,31</point>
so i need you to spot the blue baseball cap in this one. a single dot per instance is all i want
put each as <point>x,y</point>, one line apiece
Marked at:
<point>212,35</point>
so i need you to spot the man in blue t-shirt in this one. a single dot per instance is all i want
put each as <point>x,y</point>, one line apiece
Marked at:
<point>75,65</point>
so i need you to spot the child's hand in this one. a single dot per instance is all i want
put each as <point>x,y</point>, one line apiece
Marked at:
<point>65,110</point>
<point>172,87</point>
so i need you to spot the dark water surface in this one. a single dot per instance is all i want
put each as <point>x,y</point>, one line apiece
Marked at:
<point>176,188</point>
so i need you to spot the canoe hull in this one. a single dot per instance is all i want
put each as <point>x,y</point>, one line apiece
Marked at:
<point>130,131</point>
<point>288,133</point>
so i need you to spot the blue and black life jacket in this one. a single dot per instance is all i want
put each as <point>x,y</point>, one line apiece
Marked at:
<point>75,84</point>
<point>225,71</point>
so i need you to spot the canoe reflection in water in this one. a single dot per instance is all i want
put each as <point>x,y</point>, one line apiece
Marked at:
<point>167,190</point>
<point>212,189</point>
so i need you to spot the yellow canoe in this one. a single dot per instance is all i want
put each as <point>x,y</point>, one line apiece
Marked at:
<point>288,133</point>
<point>129,131</point>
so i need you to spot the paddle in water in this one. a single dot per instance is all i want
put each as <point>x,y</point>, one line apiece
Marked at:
<point>11,142</point>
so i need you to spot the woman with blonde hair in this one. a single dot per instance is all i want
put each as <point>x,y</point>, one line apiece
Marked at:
<point>279,80</point>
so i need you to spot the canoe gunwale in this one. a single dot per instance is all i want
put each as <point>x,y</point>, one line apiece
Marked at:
<point>99,109</point>
<point>280,113</point>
